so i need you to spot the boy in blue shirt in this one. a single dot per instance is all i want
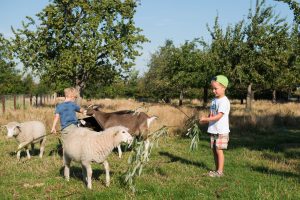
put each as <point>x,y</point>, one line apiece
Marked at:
<point>66,112</point>
<point>218,120</point>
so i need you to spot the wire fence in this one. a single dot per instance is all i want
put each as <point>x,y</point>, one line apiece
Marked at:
<point>24,101</point>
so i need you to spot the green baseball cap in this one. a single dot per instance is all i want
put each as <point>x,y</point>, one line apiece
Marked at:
<point>221,79</point>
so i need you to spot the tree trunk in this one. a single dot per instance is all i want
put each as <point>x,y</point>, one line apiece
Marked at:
<point>205,96</point>
<point>249,98</point>
<point>79,89</point>
<point>181,98</point>
<point>242,100</point>
<point>166,99</point>
<point>274,96</point>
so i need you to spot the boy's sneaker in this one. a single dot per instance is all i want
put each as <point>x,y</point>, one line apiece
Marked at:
<point>211,173</point>
<point>215,174</point>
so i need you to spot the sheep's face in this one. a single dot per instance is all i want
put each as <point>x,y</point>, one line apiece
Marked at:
<point>13,129</point>
<point>126,137</point>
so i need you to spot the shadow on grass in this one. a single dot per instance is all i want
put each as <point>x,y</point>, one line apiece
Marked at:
<point>266,170</point>
<point>273,132</point>
<point>76,173</point>
<point>58,150</point>
<point>32,152</point>
<point>277,145</point>
<point>284,141</point>
<point>174,158</point>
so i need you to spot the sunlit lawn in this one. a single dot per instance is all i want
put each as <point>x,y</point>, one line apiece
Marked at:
<point>258,165</point>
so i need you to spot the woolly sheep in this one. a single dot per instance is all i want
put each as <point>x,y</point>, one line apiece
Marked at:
<point>86,146</point>
<point>26,133</point>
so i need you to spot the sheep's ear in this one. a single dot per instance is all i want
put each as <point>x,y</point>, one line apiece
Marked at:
<point>116,133</point>
<point>18,126</point>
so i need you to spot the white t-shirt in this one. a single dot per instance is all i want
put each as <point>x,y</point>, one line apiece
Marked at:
<point>222,125</point>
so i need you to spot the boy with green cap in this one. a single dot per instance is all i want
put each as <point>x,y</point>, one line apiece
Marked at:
<point>218,120</point>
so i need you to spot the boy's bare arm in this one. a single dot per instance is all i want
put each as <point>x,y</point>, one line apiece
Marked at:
<point>53,129</point>
<point>211,118</point>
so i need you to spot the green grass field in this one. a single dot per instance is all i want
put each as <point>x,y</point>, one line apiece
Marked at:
<point>258,165</point>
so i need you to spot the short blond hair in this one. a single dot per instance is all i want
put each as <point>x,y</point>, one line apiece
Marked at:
<point>70,92</point>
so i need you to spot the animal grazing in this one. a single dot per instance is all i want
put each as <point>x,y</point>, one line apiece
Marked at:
<point>86,146</point>
<point>89,122</point>
<point>138,123</point>
<point>26,133</point>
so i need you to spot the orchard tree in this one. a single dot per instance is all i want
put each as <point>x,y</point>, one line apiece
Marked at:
<point>263,24</point>
<point>10,78</point>
<point>295,42</point>
<point>155,81</point>
<point>279,58</point>
<point>225,53</point>
<point>29,85</point>
<point>181,70</point>
<point>77,41</point>
<point>295,7</point>
<point>174,71</point>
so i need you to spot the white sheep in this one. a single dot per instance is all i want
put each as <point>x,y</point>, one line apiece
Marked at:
<point>86,146</point>
<point>26,133</point>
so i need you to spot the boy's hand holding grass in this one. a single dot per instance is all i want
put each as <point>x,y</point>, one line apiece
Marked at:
<point>203,120</point>
<point>211,118</point>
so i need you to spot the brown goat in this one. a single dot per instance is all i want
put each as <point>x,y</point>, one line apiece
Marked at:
<point>138,123</point>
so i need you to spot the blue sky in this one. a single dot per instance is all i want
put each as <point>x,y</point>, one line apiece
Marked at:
<point>178,20</point>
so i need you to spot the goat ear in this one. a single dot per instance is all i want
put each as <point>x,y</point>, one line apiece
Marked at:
<point>95,107</point>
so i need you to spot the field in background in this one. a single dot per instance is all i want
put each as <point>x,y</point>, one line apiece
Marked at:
<point>265,115</point>
<point>262,161</point>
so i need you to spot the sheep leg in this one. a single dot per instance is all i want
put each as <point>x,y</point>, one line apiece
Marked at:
<point>89,173</point>
<point>67,163</point>
<point>21,145</point>
<point>18,155</point>
<point>42,147</point>
<point>84,173</point>
<point>28,154</point>
<point>107,177</point>
<point>120,151</point>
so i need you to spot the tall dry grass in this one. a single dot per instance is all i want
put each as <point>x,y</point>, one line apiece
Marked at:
<point>265,115</point>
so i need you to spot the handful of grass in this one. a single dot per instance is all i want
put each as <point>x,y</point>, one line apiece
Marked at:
<point>193,131</point>
<point>140,156</point>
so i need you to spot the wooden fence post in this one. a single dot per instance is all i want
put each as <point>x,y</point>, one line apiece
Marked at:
<point>30,99</point>
<point>24,101</point>
<point>15,102</point>
<point>36,100</point>
<point>41,100</point>
<point>3,104</point>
